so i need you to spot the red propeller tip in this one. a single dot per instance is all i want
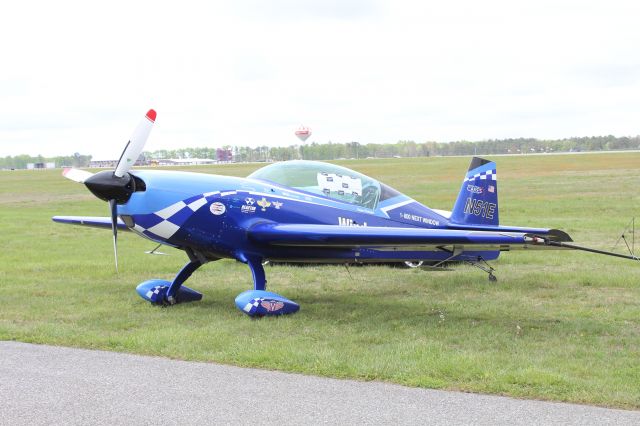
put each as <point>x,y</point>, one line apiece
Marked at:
<point>151,115</point>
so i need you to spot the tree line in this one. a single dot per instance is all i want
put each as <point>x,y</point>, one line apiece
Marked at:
<point>21,161</point>
<point>335,151</point>
<point>357,150</point>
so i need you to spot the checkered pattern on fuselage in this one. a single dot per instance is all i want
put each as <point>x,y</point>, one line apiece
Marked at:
<point>166,222</point>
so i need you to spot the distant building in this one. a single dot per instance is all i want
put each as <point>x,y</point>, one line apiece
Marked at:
<point>111,164</point>
<point>48,165</point>
<point>183,161</point>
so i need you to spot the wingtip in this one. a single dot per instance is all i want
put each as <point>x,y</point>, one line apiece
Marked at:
<point>151,115</point>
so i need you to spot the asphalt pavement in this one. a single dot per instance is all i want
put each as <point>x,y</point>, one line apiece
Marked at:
<point>47,385</point>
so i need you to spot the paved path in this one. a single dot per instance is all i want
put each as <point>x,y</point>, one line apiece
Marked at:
<point>52,385</point>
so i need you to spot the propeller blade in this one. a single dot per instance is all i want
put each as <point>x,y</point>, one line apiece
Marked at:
<point>135,145</point>
<point>114,227</point>
<point>76,175</point>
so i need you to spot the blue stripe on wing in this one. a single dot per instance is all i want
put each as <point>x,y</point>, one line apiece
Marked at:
<point>90,221</point>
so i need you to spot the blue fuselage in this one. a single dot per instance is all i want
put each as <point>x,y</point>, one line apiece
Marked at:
<point>210,214</point>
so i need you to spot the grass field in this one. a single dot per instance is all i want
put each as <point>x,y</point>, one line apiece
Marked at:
<point>557,325</point>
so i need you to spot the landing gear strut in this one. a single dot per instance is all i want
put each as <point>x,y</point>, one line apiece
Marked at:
<point>163,292</point>
<point>259,302</point>
<point>483,265</point>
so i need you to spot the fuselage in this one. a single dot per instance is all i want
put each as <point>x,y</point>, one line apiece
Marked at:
<point>210,214</point>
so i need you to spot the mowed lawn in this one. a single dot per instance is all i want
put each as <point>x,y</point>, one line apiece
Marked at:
<point>557,325</point>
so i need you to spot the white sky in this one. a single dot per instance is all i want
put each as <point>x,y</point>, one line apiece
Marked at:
<point>77,76</point>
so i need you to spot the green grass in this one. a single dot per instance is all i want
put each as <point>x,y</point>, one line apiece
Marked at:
<point>557,325</point>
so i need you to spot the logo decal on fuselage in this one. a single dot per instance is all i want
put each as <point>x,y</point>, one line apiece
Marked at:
<point>422,219</point>
<point>474,189</point>
<point>272,305</point>
<point>343,221</point>
<point>217,208</point>
<point>264,203</point>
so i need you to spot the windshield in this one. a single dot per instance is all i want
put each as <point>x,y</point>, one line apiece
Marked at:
<point>338,183</point>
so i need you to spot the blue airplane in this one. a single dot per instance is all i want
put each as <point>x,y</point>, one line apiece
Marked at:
<point>299,211</point>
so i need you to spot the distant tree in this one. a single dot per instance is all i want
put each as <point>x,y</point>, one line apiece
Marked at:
<point>404,148</point>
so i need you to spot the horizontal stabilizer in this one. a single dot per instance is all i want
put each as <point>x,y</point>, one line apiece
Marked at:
<point>551,234</point>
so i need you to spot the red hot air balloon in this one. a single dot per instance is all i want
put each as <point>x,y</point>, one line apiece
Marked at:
<point>303,133</point>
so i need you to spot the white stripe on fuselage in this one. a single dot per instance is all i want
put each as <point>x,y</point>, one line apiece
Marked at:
<point>443,213</point>
<point>396,205</point>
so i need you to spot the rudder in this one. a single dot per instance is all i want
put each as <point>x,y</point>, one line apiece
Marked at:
<point>477,202</point>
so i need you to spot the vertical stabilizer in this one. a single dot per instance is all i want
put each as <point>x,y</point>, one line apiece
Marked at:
<point>477,202</point>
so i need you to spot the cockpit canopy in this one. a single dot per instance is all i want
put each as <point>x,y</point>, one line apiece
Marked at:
<point>329,180</point>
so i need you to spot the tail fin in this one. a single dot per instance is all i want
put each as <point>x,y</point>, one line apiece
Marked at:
<point>477,202</point>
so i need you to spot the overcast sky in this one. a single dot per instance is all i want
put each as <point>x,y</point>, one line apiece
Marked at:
<point>78,76</point>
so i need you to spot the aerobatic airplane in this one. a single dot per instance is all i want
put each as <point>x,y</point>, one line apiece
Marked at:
<point>298,211</point>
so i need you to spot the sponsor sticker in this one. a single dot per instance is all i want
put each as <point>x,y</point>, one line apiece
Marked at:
<point>475,189</point>
<point>217,208</point>
<point>248,209</point>
<point>344,221</point>
<point>277,204</point>
<point>416,218</point>
<point>272,305</point>
<point>250,201</point>
<point>264,203</point>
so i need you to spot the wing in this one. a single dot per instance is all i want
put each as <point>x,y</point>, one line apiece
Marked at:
<point>90,221</point>
<point>299,235</point>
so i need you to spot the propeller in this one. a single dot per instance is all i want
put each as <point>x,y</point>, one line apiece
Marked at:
<point>113,207</point>
<point>76,175</point>
<point>116,187</point>
<point>135,145</point>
